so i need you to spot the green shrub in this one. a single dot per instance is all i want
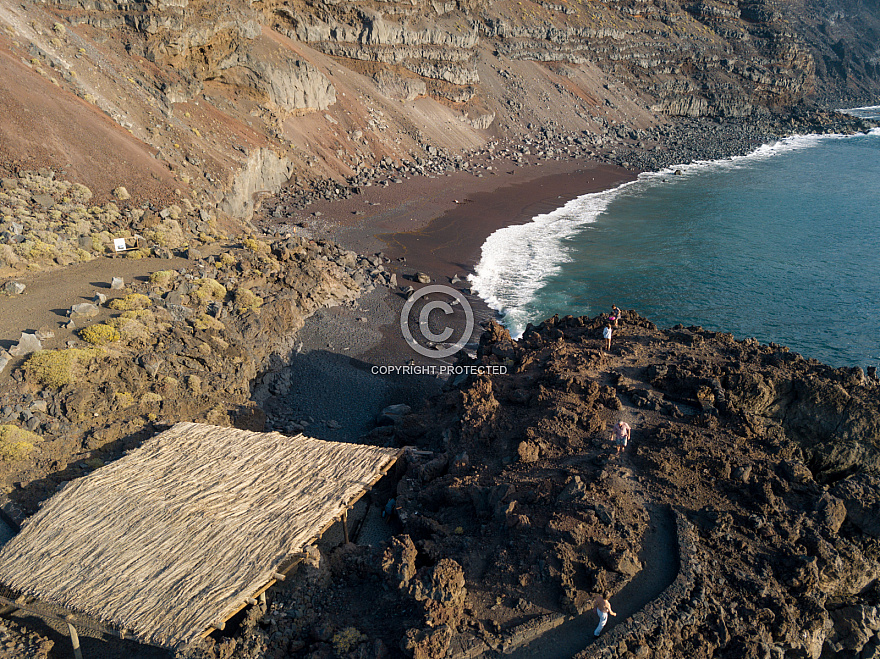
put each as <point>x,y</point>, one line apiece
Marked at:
<point>347,640</point>
<point>246,300</point>
<point>99,335</point>
<point>123,399</point>
<point>132,301</point>
<point>16,443</point>
<point>130,328</point>
<point>205,322</point>
<point>254,245</point>
<point>56,368</point>
<point>36,250</point>
<point>142,315</point>
<point>208,290</point>
<point>162,278</point>
<point>151,398</point>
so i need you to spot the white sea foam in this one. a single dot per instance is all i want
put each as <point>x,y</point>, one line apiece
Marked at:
<point>516,261</point>
<point>867,112</point>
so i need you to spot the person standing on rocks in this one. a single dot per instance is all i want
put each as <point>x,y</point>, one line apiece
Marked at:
<point>606,334</point>
<point>603,610</point>
<point>615,314</point>
<point>620,435</point>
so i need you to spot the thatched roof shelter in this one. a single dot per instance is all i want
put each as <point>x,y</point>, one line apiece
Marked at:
<point>176,536</point>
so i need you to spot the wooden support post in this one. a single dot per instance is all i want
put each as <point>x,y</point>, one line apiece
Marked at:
<point>345,526</point>
<point>74,641</point>
<point>262,599</point>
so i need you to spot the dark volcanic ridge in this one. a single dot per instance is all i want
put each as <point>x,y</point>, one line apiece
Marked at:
<point>751,483</point>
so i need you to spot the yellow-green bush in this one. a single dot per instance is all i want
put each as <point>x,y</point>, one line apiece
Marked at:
<point>254,245</point>
<point>208,290</point>
<point>162,278</point>
<point>16,443</point>
<point>130,328</point>
<point>123,399</point>
<point>246,300</point>
<point>167,233</point>
<point>56,368</point>
<point>205,322</point>
<point>141,315</point>
<point>151,398</point>
<point>347,640</point>
<point>36,250</point>
<point>130,302</point>
<point>227,259</point>
<point>99,335</point>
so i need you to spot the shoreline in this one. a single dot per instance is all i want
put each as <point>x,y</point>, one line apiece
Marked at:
<point>340,349</point>
<point>438,227</point>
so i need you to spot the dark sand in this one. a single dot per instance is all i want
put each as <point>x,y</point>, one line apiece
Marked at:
<point>438,226</point>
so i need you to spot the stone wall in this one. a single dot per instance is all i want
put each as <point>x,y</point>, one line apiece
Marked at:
<point>661,613</point>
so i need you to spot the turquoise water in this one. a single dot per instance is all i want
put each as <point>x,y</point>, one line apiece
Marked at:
<point>782,245</point>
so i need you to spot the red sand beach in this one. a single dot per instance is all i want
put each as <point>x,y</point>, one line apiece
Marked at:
<point>437,226</point>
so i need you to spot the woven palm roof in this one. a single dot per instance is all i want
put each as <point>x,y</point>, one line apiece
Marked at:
<point>177,535</point>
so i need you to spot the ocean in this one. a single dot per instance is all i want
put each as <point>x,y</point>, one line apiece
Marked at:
<point>782,245</point>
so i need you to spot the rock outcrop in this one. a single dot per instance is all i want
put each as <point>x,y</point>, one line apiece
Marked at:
<point>773,542</point>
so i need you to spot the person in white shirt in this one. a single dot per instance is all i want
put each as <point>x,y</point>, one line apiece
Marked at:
<point>606,334</point>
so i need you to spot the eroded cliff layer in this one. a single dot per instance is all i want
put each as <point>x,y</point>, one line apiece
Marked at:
<point>229,100</point>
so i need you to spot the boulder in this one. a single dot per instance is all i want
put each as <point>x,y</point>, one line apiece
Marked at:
<point>84,310</point>
<point>14,287</point>
<point>44,333</point>
<point>152,363</point>
<point>27,344</point>
<point>44,200</point>
<point>422,278</point>
<point>861,497</point>
<point>574,490</point>
<point>117,284</point>
<point>399,561</point>
<point>392,414</point>
<point>192,254</point>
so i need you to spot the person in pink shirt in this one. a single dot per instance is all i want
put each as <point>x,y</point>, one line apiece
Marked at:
<point>620,435</point>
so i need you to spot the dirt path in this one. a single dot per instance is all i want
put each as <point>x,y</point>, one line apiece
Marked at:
<point>659,558</point>
<point>49,295</point>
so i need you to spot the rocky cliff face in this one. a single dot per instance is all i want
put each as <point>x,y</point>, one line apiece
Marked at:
<point>774,549</point>
<point>332,87</point>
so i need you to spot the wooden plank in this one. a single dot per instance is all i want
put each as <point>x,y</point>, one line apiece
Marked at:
<point>259,593</point>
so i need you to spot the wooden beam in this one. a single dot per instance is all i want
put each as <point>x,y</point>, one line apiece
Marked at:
<point>258,596</point>
<point>74,641</point>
